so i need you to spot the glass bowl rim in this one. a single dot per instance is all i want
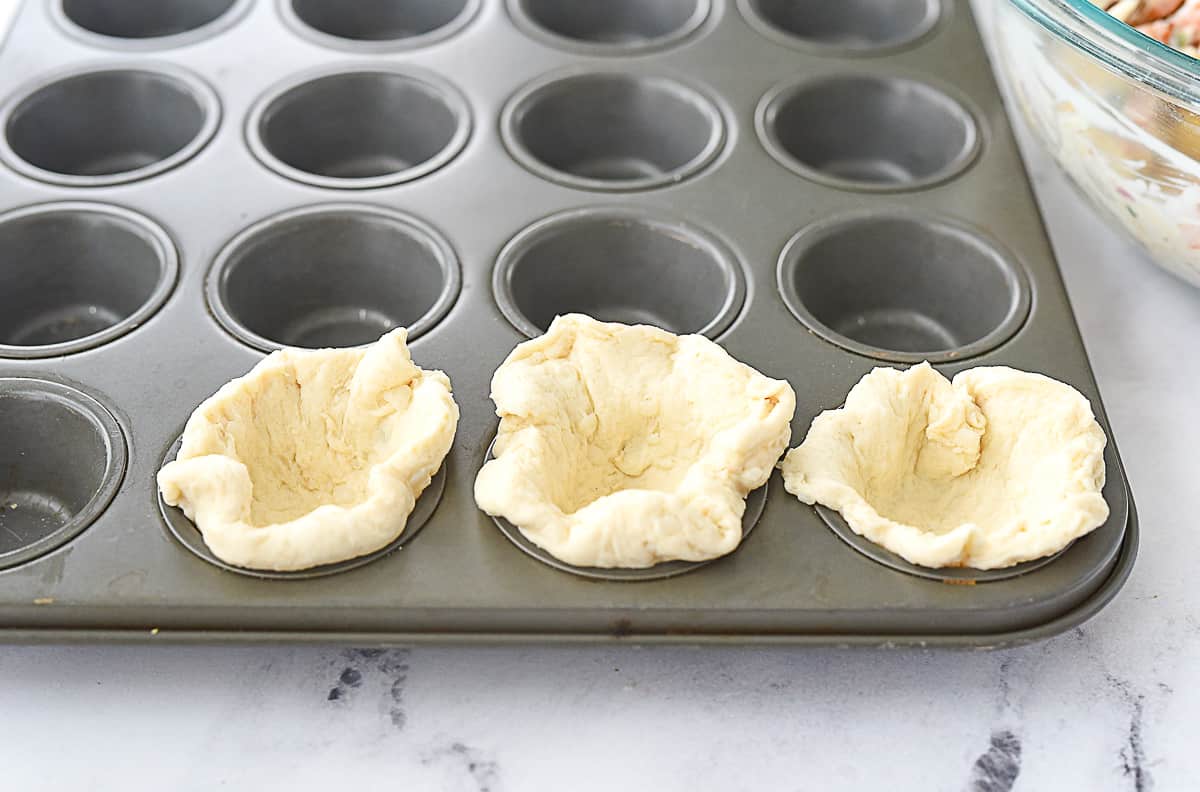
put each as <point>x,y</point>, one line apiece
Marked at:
<point>1119,46</point>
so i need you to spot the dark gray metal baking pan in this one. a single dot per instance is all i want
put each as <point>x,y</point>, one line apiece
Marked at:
<point>455,224</point>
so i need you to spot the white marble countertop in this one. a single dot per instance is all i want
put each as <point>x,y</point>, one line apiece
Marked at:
<point>1111,706</point>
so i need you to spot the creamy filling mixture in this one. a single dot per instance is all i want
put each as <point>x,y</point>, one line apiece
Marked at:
<point>1175,23</point>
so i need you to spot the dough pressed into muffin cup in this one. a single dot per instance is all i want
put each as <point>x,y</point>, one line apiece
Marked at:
<point>625,446</point>
<point>996,468</point>
<point>314,456</point>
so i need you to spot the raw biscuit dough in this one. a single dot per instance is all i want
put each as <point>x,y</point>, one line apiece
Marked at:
<point>625,446</point>
<point>314,456</point>
<point>998,467</point>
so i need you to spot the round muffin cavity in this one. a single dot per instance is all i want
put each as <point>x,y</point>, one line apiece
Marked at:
<point>153,121</point>
<point>593,131</point>
<point>140,20</point>
<point>903,286</point>
<point>393,21</point>
<point>61,462</point>
<point>845,25</point>
<point>614,26</point>
<point>79,275</point>
<point>392,127</point>
<point>868,132</point>
<point>332,276</point>
<point>618,265</point>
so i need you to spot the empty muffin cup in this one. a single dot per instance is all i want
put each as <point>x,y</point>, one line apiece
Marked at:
<point>617,27</point>
<point>61,462</point>
<point>77,275</point>
<point>392,127</point>
<point>379,24</point>
<point>332,276</point>
<point>138,24</point>
<point>868,132</point>
<point>618,265</point>
<point>848,26</point>
<point>903,286</point>
<point>612,130</point>
<point>153,120</point>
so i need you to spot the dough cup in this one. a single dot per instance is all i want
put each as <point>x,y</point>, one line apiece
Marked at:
<point>626,446</point>
<point>314,457</point>
<point>997,468</point>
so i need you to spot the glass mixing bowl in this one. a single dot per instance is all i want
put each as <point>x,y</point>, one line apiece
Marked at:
<point>1119,111</point>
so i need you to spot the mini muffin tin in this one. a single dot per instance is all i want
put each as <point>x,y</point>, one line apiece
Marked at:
<point>820,187</point>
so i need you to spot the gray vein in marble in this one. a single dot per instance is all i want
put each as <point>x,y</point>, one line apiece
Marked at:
<point>349,679</point>
<point>996,770</point>
<point>1005,685</point>
<point>388,665</point>
<point>1133,753</point>
<point>484,773</point>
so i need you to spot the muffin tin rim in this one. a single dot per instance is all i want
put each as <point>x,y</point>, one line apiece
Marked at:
<point>1014,270</point>
<point>168,276</point>
<point>93,406</point>
<point>435,84</point>
<point>463,20</point>
<point>705,12</point>
<point>447,258</point>
<point>936,20</point>
<point>196,86</point>
<point>963,161</point>
<point>228,18</point>
<point>687,89</point>
<point>730,262</point>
